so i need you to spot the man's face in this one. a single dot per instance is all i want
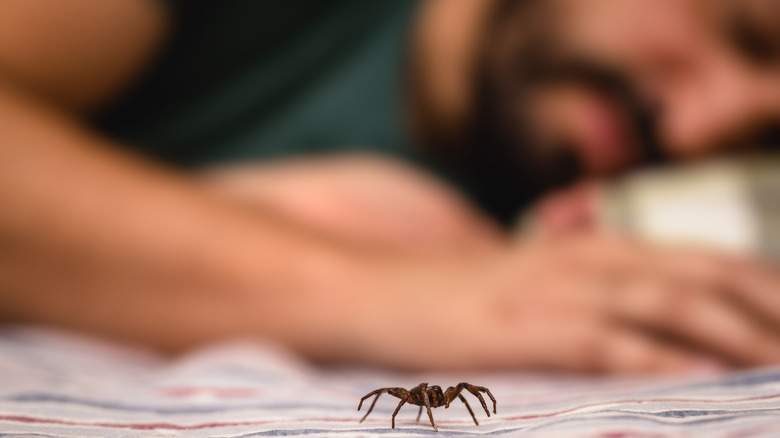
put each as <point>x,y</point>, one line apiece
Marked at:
<point>703,74</point>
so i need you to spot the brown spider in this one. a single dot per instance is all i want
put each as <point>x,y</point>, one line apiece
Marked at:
<point>421,395</point>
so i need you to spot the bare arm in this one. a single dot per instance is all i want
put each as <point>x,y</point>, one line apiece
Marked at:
<point>78,53</point>
<point>94,239</point>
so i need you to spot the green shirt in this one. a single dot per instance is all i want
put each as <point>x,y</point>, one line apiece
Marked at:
<point>253,79</point>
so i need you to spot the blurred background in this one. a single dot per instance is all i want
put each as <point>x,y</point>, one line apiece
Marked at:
<point>178,153</point>
<point>518,103</point>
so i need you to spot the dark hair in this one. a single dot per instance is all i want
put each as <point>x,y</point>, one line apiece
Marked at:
<point>499,151</point>
<point>479,152</point>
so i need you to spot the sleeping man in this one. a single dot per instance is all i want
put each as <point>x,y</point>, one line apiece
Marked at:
<point>180,172</point>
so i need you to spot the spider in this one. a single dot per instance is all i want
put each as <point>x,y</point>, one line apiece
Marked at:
<point>430,397</point>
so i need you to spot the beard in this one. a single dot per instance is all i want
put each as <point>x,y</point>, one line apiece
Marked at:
<point>497,153</point>
<point>511,162</point>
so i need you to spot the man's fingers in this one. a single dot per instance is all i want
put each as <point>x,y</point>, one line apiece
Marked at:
<point>697,316</point>
<point>597,346</point>
<point>632,352</point>
<point>751,284</point>
<point>604,347</point>
<point>748,285</point>
<point>757,287</point>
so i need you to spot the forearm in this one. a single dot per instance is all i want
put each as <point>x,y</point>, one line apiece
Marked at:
<point>98,240</point>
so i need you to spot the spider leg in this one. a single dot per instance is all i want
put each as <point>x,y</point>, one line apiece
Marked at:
<point>451,393</point>
<point>396,392</point>
<point>419,414</point>
<point>428,407</point>
<point>372,406</point>
<point>463,399</point>
<point>476,391</point>
<point>403,400</point>
<point>481,400</point>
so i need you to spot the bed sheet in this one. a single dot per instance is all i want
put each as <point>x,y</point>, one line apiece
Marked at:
<point>54,384</point>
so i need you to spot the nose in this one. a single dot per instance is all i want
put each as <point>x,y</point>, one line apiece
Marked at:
<point>720,103</point>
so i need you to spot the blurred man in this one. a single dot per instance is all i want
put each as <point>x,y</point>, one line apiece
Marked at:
<point>353,258</point>
<point>567,90</point>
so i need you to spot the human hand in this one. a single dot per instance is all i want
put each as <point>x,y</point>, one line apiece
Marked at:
<point>591,304</point>
<point>363,200</point>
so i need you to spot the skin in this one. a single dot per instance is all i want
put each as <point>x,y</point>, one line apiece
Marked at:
<point>713,94</point>
<point>710,90</point>
<point>95,239</point>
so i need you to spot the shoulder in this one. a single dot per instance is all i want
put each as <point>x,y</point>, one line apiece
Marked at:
<point>78,52</point>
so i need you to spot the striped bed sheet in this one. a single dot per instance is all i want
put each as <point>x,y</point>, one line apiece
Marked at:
<point>54,384</point>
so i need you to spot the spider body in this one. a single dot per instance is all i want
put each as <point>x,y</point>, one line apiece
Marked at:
<point>429,397</point>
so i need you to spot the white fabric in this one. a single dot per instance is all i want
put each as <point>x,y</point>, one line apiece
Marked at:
<point>58,385</point>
